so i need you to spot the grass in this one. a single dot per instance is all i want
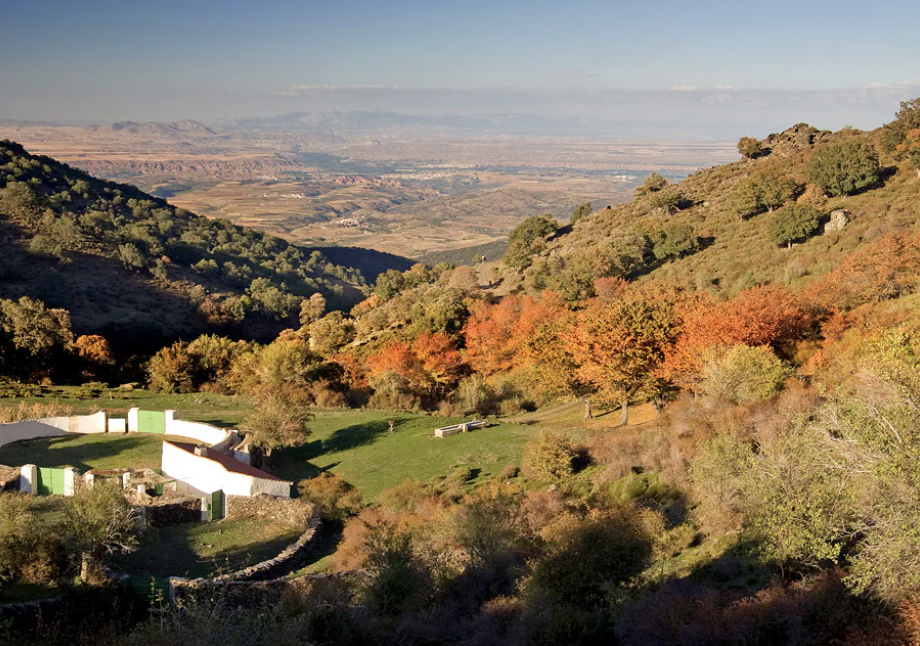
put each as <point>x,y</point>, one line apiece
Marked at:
<point>358,446</point>
<point>203,549</point>
<point>220,410</point>
<point>24,592</point>
<point>85,452</point>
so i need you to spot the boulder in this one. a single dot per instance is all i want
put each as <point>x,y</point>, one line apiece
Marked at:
<point>839,219</point>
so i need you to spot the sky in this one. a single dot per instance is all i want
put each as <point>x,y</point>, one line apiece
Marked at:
<point>697,65</point>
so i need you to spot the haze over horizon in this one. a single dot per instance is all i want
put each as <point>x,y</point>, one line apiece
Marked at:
<point>696,71</point>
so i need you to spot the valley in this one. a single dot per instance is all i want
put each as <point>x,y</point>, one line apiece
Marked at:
<point>409,193</point>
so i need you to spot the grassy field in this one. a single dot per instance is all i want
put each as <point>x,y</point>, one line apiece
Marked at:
<point>358,446</point>
<point>202,549</point>
<point>220,410</point>
<point>85,452</point>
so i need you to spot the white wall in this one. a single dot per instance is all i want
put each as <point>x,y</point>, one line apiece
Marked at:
<point>216,438</point>
<point>52,427</point>
<point>208,476</point>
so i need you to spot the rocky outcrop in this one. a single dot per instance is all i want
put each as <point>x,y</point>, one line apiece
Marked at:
<point>839,220</point>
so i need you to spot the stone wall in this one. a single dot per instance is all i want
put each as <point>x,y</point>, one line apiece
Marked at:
<point>295,512</point>
<point>263,577</point>
<point>251,594</point>
<point>172,512</point>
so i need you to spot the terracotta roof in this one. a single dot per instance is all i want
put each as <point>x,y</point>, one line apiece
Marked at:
<point>230,464</point>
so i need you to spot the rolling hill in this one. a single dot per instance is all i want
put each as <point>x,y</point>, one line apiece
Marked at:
<point>141,272</point>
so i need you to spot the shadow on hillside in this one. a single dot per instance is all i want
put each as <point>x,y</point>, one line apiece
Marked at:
<point>357,435</point>
<point>42,452</point>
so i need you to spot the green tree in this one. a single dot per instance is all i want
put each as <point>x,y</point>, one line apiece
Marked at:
<point>907,119</point>
<point>775,191</point>
<point>793,223</point>
<point>673,241</point>
<point>652,184</point>
<point>844,168</point>
<point>581,211</point>
<point>745,200</point>
<point>276,423</point>
<point>330,333</point>
<point>667,199</point>
<point>528,239</point>
<point>131,256</point>
<point>750,148</point>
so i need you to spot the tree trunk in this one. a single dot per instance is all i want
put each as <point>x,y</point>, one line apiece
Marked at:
<point>624,419</point>
<point>588,414</point>
<point>86,564</point>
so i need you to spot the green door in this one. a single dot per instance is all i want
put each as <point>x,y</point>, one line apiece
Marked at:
<point>216,505</point>
<point>149,421</point>
<point>50,482</point>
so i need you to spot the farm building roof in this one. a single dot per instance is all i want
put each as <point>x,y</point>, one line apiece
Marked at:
<point>230,464</point>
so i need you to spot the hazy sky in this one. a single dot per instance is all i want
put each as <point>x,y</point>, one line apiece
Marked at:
<point>828,62</point>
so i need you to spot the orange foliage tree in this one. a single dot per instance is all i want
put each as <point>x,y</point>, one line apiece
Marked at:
<point>883,269</point>
<point>767,315</point>
<point>619,345</point>
<point>522,334</point>
<point>431,366</point>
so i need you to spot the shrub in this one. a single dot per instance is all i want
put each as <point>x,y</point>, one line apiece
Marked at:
<point>745,374</point>
<point>334,498</point>
<point>170,369</point>
<point>549,456</point>
<point>475,395</point>
<point>588,558</point>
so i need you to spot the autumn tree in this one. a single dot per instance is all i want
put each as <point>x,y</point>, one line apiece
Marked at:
<point>618,346</point>
<point>94,352</point>
<point>767,315</point>
<point>170,370</point>
<point>844,168</point>
<point>793,223</point>
<point>882,269</point>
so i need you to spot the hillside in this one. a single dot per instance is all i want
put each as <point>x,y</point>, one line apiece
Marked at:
<point>720,243</point>
<point>139,271</point>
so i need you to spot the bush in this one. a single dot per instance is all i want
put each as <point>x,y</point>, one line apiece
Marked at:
<point>745,374</point>
<point>334,498</point>
<point>588,558</point>
<point>549,456</point>
<point>170,370</point>
<point>29,551</point>
<point>475,395</point>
